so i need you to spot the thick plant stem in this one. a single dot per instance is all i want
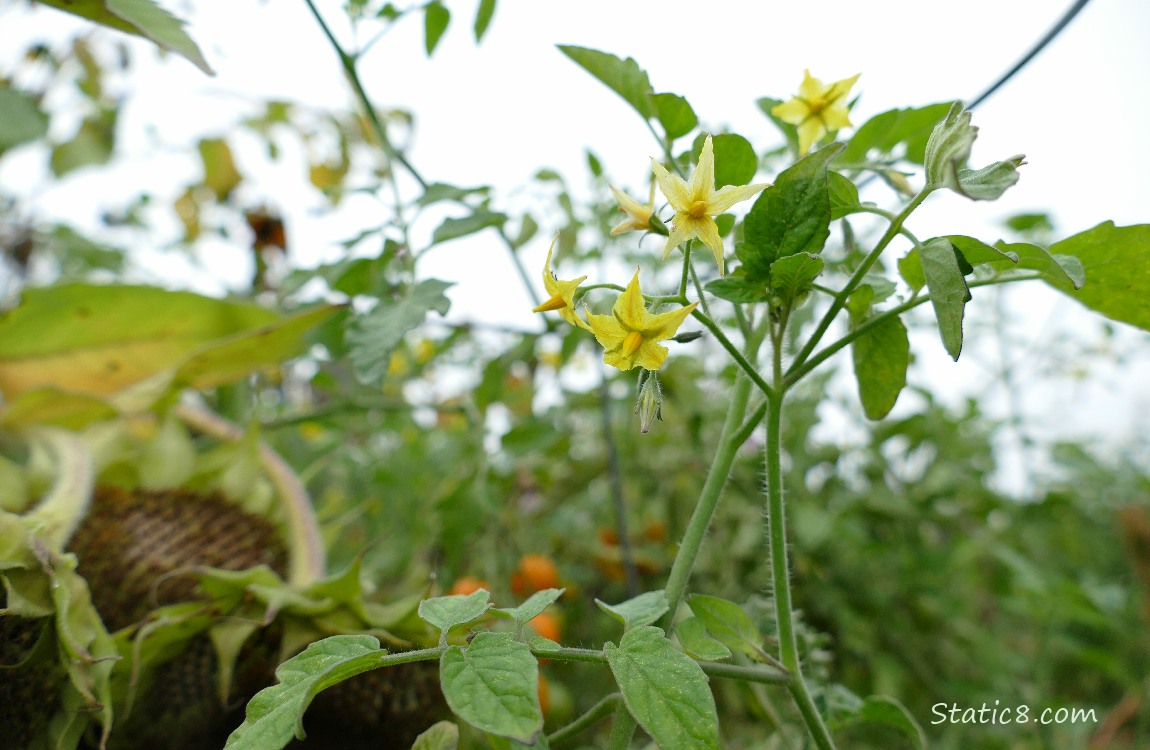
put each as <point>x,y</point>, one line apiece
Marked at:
<point>622,730</point>
<point>780,573</point>
<point>708,499</point>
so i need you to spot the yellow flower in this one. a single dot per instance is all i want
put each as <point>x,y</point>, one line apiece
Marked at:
<point>561,291</point>
<point>638,215</point>
<point>697,201</point>
<point>817,109</point>
<point>630,334</point>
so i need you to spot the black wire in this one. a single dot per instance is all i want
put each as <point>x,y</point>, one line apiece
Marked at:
<point>1042,43</point>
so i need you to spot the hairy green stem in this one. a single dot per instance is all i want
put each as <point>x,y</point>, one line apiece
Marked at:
<point>740,360</point>
<point>587,720</point>
<point>348,63</point>
<point>623,728</point>
<point>708,500</point>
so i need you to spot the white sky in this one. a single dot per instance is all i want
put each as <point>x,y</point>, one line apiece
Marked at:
<point>495,113</point>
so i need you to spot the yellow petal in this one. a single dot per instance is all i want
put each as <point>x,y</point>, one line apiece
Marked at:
<point>708,232</point>
<point>680,233</point>
<point>811,88</point>
<point>664,325</point>
<point>839,89</point>
<point>672,185</point>
<point>702,181</point>
<point>729,195</point>
<point>836,118</point>
<point>630,309</point>
<point>555,303</point>
<point>631,343</point>
<point>794,111</point>
<point>809,132</point>
<point>650,356</point>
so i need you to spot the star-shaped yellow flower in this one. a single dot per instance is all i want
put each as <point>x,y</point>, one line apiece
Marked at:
<point>696,203</point>
<point>561,291</point>
<point>630,333</point>
<point>817,109</point>
<point>638,215</point>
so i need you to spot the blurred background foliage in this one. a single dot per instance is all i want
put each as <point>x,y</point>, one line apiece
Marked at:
<point>915,577</point>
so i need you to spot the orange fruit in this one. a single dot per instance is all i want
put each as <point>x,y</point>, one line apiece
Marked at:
<point>656,531</point>
<point>544,695</point>
<point>608,536</point>
<point>535,573</point>
<point>547,625</point>
<point>468,585</point>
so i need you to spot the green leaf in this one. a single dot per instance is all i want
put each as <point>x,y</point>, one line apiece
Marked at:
<point>643,609</point>
<point>442,735</point>
<point>880,709</point>
<point>727,622</point>
<point>483,18</point>
<point>441,191</point>
<point>1057,269</point>
<point>100,339</point>
<point>910,269</point>
<point>665,690</point>
<point>452,229</point>
<point>793,215</point>
<point>372,337</point>
<point>436,16</point>
<point>493,685</point>
<point>789,131</point>
<point>735,160</point>
<point>736,287</point>
<point>977,253</point>
<point>692,635</point>
<point>273,715</point>
<point>140,17</point>
<point>220,173</point>
<point>990,182</point>
<point>948,291</point>
<point>91,146</point>
<point>624,77</point>
<point>675,115</point>
<point>844,195</point>
<point>22,121</point>
<point>885,131</point>
<point>447,612</point>
<point>881,356</point>
<point>1114,261</point>
<point>528,610</point>
<point>792,277</point>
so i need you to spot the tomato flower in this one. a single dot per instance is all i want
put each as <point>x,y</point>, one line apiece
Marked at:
<point>562,292</point>
<point>817,109</point>
<point>630,334</point>
<point>638,215</point>
<point>697,201</point>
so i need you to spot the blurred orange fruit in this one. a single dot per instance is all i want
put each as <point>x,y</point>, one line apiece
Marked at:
<point>535,573</point>
<point>468,585</point>
<point>547,625</point>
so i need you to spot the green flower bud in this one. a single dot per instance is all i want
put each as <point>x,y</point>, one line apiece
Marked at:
<point>649,405</point>
<point>989,183</point>
<point>948,148</point>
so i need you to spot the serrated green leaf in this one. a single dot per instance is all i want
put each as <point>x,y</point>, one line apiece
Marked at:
<point>1117,275</point>
<point>844,195</point>
<point>727,622</point>
<point>493,685</point>
<point>624,77</point>
<point>735,160</point>
<point>793,215</point>
<point>665,690</point>
<point>880,709</point>
<point>735,287</point>
<point>692,635</point>
<point>1057,269</point>
<point>452,229</point>
<point>531,608</point>
<point>436,17</point>
<point>885,131</point>
<point>483,18</point>
<point>643,609</point>
<point>274,714</point>
<point>140,17</point>
<point>792,277</point>
<point>881,356</point>
<point>372,337</point>
<point>948,291</point>
<point>22,121</point>
<point>447,612</point>
<point>675,115</point>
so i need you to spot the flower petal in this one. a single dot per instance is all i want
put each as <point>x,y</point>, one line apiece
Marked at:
<point>680,233</point>
<point>811,89</point>
<point>794,111</point>
<point>664,325</point>
<point>836,118</point>
<point>708,232</point>
<point>809,132</point>
<point>650,356</point>
<point>729,195</point>
<point>702,181</point>
<point>607,330</point>
<point>672,185</point>
<point>630,309</point>
<point>839,89</point>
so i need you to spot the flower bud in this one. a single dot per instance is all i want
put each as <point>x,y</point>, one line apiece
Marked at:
<point>649,405</point>
<point>948,148</point>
